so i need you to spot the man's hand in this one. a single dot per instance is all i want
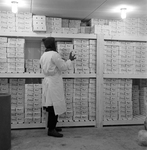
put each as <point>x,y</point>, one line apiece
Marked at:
<point>71,56</point>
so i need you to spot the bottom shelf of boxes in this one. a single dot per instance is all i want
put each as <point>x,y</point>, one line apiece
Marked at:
<point>124,101</point>
<point>26,102</point>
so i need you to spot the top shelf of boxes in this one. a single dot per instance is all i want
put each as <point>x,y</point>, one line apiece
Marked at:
<point>20,57</point>
<point>26,24</point>
<point>131,29</point>
<point>37,26</point>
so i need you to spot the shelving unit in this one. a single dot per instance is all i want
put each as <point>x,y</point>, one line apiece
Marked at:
<point>38,36</point>
<point>99,76</point>
<point>136,119</point>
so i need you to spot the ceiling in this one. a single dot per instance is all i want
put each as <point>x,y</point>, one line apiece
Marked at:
<point>80,9</point>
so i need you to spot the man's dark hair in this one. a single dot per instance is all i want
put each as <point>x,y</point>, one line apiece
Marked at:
<point>49,44</point>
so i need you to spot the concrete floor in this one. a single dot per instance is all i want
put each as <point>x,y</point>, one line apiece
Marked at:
<point>89,138</point>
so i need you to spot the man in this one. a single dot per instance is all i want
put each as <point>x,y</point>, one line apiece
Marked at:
<point>53,93</point>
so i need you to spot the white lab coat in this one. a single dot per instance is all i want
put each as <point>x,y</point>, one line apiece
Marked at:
<point>53,92</point>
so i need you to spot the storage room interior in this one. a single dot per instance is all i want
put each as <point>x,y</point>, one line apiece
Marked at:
<point>105,89</point>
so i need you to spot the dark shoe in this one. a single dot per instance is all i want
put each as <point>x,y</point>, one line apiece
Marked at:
<point>58,129</point>
<point>54,133</point>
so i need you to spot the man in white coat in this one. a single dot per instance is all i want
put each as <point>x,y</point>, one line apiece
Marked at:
<point>53,92</point>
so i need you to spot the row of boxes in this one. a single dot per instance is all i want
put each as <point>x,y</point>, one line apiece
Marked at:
<point>80,99</point>
<point>85,60</point>
<point>123,58</point>
<point>22,22</point>
<point>33,65</point>
<point>12,54</point>
<point>131,26</point>
<point>117,99</point>
<point>26,100</point>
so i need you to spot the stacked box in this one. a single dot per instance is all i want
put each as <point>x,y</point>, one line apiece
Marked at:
<point>85,30</point>
<point>143,97</point>
<point>101,29</point>
<point>119,57</point>
<point>118,99</point>
<point>140,58</point>
<point>125,99</point>
<point>29,102</point>
<point>4,86</point>
<point>84,99</point>
<point>117,27</point>
<point>78,52</point>
<point>29,65</point>
<point>65,23</point>
<point>142,24</point>
<point>125,57</point>
<point>92,99</point>
<point>120,28</point>
<point>20,101</point>
<point>17,100</point>
<point>85,56</point>
<point>77,99</point>
<point>143,103</point>
<point>95,21</point>
<point>111,99</point>
<point>71,26</point>
<point>74,23</point>
<point>92,56</point>
<point>74,26</point>
<point>39,23</point>
<point>23,22</point>
<point>15,54</point>
<point>3,54</point>
<point>33,103</point>
<point>33,65</point>
<point>36,65</point>
<point>135,99</point>
<point>108,57</point>
<point>37,103</point>
<point>64,49</point>
<point>7,21</point>
<point>54,25</point>
<point>113,26</point>
<point>131,26</point>
<point>80,99</point>
<point>107,99</point>
<point>68,90</point>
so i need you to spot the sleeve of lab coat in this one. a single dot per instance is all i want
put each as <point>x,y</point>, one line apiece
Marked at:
<point>60,63</point>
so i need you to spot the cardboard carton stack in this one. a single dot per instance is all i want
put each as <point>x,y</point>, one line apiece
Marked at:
<point>54,25</point>
<point>17,89</point>
<point>23,22</point>
<point>118,99</point>
<point>33,103</point>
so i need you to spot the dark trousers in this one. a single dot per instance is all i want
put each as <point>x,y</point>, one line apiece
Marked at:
<point>52,118</point>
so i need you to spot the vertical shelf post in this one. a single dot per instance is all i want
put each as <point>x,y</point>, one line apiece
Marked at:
<point>99,81</point>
